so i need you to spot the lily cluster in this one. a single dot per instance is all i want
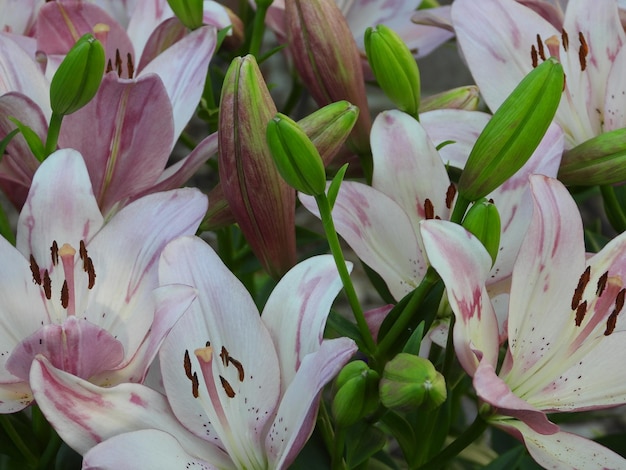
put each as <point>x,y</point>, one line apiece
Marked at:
<point>144,324</point>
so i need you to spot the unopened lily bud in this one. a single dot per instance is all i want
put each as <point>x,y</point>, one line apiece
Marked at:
<point>329,127</point>
<point>78,78</point>
<point>189,12</point>
<point>296,158</point>
<point>514,132</point>
<point>465,97</point>
<point>483,221</point>
<point>600,160</point>
<point>328,60</point>
<point>411,381</point>
<point>357,393</point>
<point>259,199</point>
<point>394,67</point>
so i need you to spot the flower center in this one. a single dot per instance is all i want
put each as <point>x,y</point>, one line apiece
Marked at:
<point>64,282</point>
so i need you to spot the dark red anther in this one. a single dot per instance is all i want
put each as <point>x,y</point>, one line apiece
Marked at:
<point>54,253</point>
<point>450,193</point>
<point>580,289</point>
<point>542,53</point>
<point>602,284</point>
<point>47,285</point>
<point>187,365</point>
<point>34,269</point>
<point>565,39</point>
<point>65,295</point>
<point>582,52</point>
<point>227,387</point>
<point>130,65</point>
<point>533,56</point>
<point>429,209</point>
<point>580,313</point>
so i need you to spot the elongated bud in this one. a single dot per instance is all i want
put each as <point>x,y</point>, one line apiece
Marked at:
<point>77,79</point>
<point>483,221</point>
<point>327,59</point>
<point>600,160</point>
<point>409,382</point>
<point>514,131</point>
<point>465,97</point>
<point>329,127</point>
<point>189,12</point>
<point>394,67</point>
<point>296,158</point>
<point>259,199</point>
<point>357,393</point>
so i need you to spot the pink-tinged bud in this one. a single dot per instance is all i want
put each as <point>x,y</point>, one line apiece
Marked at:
<point>261,202</point>
<point>465,97</point>
<point>327,59</point>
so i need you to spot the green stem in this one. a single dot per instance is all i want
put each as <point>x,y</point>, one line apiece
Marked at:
<point>613,208</point>
<point>335,249</point>
<point>53,132</point>
<point>258,28</point>
<point>449,357</point>
<point>460,207</point>
<point>465,439</point>
<point>337,462</point>
<point>50,452</point>
<point>5,421</point>
<point>419,294</point>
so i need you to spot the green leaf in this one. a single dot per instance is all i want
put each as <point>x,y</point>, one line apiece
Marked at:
<point>5,142</point>
<point>335,184</point>
<point>32,139</point>
<point>508,460</point>
<point>362,442</point>
<point>403,432</point>
<point>412,346</point>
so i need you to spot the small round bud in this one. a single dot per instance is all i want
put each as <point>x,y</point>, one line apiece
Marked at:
<point>357,393</point>
<point>411,381</point>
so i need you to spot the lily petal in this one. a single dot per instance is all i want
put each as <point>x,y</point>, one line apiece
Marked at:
<point>464,264</point>
<point>296,311</point>
<point>60,206</point>
<point>295,418</point>
<point>85,415</point>
<point>147,448</point>
<point>546,273</point>
<point>14,397</point>
<point>564,450</point>
<point>380,233</point>
<point>183,68</point>
<point>407,167</point>
<point>125,134</point>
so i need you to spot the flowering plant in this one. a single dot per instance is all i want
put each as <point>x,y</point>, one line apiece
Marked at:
<point>370,267</point>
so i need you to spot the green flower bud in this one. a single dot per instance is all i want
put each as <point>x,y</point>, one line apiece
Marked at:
<point>394,67</point>
<point>465,97</point>
<point>600,160</point>
<point>189,12</point>
<point>483,221</point>
<point>357,393</point>
<point>411,381</point>
<point>329,127</point>
<point>297,159</point>
<point>78,78</point>
<point>514,131</point>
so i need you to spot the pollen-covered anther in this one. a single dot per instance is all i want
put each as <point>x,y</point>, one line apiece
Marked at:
<point>187,365</point>
<point>47,285</point>
<point>239,367</point>
<point>580,313</point>
<point>565,39</point>
<point>34,269</point>
<point>540,50</point>
<point>583,51</point>
<point>194,385</point>
<point>54,253</point>
<point>533,56</point>
<point>118,62</point>
<point>429,209</point>
<point>602,284</point>
<point>580,289</point>
<point>612,320</point>
<point>450,193</point>
<point>129,65</point>
<point>230,393</point>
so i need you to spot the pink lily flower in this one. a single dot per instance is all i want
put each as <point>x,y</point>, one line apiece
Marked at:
<point>361,14</point>
<point>410,183</point>
<point>563,323</point>
<point>79,291</point>
<point>502,40</point>
<point>245,387</point>
<point>137,120</point>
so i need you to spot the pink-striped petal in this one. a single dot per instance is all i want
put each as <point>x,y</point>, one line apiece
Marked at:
<point>296,311</point>
<point>380,233</point>
<point>125,134</point>
<point>85,415</point>
<point>295,418</point>
<point>464,265</point>
<point>408,168</point>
